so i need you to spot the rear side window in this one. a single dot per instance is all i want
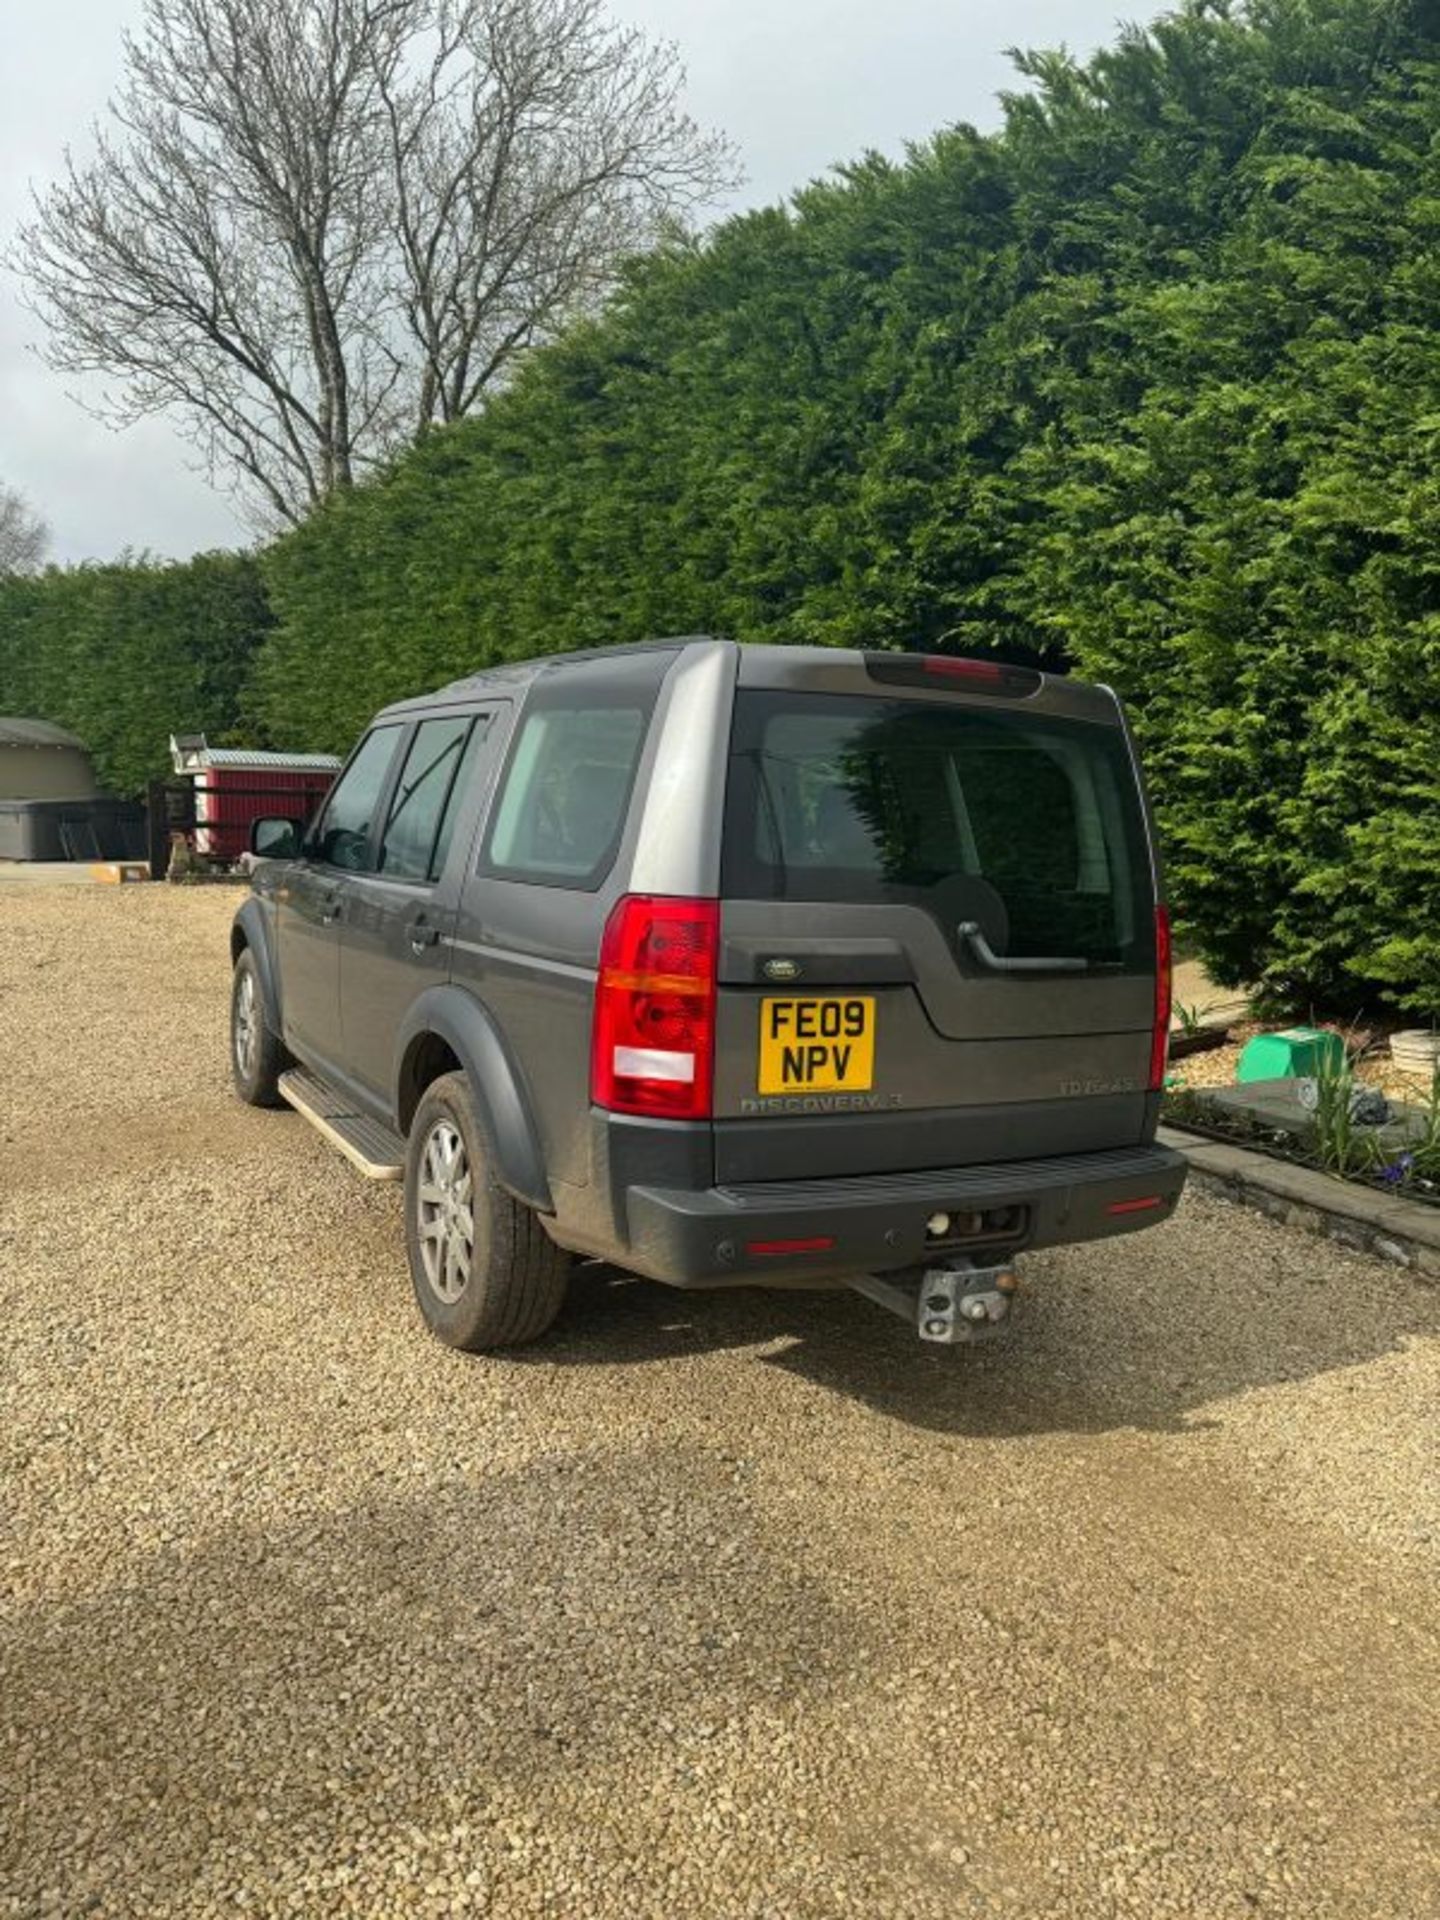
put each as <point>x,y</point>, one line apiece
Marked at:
<point>1029,826</point>
<point>346,826</point>
<point>426,795</point>
<point>479,733</point>
<point>566,790</point>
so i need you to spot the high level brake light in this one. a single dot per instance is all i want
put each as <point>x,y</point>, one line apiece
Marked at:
<point>997,677</point>
<point>1160,1036</point>
<point>654,1036</point>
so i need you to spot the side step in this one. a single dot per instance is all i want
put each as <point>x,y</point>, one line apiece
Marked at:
<point>365,1143</point>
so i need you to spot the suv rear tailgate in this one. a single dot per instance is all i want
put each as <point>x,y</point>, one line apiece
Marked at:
<point>938,930</point>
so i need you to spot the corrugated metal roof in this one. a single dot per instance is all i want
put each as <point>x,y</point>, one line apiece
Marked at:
<point>15,732</point>
<point>191,753</point>
<point>254,757</point>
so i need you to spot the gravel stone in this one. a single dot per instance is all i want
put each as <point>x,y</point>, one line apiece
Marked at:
<point>740,1606</point>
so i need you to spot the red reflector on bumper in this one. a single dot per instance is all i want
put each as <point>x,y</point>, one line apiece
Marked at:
<point>1136,1206</point>
<point>788,1246</point>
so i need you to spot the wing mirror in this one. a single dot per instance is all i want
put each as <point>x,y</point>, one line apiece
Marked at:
<point>276,839</point>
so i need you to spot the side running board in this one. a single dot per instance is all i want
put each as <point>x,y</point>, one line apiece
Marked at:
<point>365,1143</point>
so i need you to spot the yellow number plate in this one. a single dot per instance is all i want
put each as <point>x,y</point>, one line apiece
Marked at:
<point>817,1044</point>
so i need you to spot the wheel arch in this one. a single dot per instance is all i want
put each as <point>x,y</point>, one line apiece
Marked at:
<point>449,1029</point>
<point>249,931</point>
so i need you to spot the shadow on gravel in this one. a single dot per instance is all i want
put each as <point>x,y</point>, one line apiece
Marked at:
<point>282,1694</point>
<point>1141,1332</point>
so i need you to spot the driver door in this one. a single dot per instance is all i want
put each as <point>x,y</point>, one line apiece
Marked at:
<point>313,898</point>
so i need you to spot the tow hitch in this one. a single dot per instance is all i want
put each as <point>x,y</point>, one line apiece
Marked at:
<point>949,1305</point>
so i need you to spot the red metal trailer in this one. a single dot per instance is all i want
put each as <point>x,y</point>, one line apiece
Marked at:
<point>236,785</point>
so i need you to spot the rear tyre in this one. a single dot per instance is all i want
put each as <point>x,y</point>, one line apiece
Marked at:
<point>257,1056</point>
<point>486,1273</point>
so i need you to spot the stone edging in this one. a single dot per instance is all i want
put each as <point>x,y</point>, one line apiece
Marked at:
<point>1401,1231</point>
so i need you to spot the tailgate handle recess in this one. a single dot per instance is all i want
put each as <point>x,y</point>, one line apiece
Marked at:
<point>834,962</point>
<point>972,933</point>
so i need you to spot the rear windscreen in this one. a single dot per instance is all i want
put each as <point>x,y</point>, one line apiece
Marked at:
<point>1029,827</point>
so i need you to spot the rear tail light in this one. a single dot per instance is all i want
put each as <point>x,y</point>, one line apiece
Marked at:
<point>998,677</point>
<point>654,1034</point>
<point>1160,1038</point>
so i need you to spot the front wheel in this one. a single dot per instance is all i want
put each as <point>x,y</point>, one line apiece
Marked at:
<point>486,1273</point>
<point>257,1057</point>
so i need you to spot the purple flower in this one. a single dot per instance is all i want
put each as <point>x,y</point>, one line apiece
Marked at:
<point>1397,1170</point>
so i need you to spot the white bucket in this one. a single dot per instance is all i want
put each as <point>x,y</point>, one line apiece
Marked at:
<point>1416,1050</point>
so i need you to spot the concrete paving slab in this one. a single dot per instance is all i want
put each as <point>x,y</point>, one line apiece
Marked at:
<point>1404,1231</point>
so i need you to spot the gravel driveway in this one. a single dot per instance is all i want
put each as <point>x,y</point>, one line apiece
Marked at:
<point>707,1607</point>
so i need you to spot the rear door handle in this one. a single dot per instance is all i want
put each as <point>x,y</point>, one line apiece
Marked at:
<point>330,910</point>
<point>422,936</point>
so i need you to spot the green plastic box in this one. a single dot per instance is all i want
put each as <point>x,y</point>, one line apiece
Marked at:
<point>1296,1054</point>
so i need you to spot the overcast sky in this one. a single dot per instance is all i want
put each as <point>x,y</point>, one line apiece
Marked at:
<point>797,84</point>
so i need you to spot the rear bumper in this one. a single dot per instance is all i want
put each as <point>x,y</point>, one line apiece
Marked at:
<point>877,1222</point>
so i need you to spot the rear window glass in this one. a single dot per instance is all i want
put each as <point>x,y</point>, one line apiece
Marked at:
<point>566,789</point>
<point>1028,826</point>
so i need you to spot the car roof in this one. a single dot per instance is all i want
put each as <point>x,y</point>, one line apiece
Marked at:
<point>763,665</point>
<point>513,676</point>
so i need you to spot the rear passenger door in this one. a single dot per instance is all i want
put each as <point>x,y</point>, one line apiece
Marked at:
<point>401,916</point>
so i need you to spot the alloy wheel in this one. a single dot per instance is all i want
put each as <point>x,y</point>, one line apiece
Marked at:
<point>445,1203</point>
<point>246,1028</point>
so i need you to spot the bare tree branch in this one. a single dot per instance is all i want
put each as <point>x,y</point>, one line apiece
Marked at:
<point>317,227</point>
<point>24,536</point>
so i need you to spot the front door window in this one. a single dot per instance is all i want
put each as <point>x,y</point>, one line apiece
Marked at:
<point>346,831</point>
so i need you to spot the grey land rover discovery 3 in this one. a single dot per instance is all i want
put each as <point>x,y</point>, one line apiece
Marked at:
<point>731,966</point>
